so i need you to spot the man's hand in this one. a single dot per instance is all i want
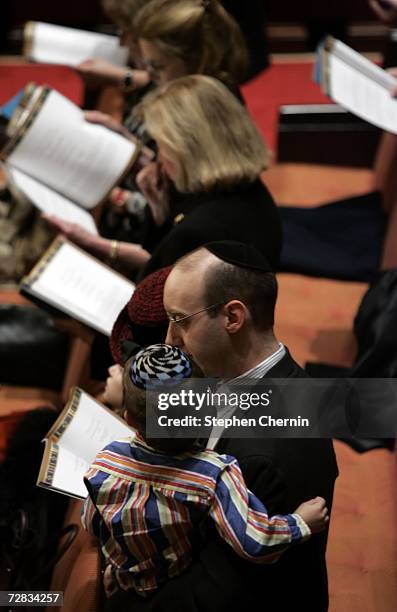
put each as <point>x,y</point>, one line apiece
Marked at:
<point>315,513</point>
<point>386,10</point>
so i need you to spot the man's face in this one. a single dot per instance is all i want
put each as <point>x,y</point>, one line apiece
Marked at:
<point>202,337</point>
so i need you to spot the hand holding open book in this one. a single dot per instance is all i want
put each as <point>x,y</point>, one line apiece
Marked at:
<point>358,84</point>
<point>78,285</point>
<point>63,163</point>
<point>53,44</point>
<point>82,429</point>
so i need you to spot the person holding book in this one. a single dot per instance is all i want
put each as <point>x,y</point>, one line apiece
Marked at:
<point>175,39</point>
<point>99,72</point>
<point>173,31</point>
<point>148,498</point>
<point>206,188</point>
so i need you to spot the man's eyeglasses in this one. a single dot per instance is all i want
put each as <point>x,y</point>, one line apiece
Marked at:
<point>176,319</point>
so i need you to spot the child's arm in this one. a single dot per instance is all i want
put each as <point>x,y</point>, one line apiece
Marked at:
<point>242,520</point>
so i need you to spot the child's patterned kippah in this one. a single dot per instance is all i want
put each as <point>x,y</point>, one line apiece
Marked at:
<point>159,364</point>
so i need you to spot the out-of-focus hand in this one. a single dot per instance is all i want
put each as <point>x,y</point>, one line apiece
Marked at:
<point>386,10</point>
<point>108,582</point>
<point>99,72</point>
<point>154,184</point>
<point>393,72</point>
<point>93,116</point>
<point>145,157</point>
<point>74,232</point>
<point>315,513</point>
<point>119,198</point>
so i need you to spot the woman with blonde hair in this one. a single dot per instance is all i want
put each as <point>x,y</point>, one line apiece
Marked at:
<point>207,178</point>
<point>176,38</point>
<point>181,37</point>
<point>98,72</point>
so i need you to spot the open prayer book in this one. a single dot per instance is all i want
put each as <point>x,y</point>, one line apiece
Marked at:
<point>65,165</point>
<point>75,283</point>
<point>53,44</point>
<point>357,84</point>
<point>83,428</point>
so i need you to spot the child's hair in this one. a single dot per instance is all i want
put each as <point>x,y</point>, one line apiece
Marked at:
<point>155,367</point>
<point>200,32</point>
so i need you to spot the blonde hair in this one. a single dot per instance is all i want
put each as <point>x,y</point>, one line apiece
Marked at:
<point>200,32</point>
<point>122,12</point>
<point>206,132</point>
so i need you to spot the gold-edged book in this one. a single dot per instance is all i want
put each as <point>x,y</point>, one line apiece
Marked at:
<point>83,428</point>
<point>358,84</point>
<point>53,44</point>
<point>75,283</point>
<point>65,165</point>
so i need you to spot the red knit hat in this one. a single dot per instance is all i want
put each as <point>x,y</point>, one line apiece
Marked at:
<point>142,317</point>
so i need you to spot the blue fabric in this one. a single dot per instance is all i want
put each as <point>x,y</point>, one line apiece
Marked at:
<point>8,109</point>
<point>341,240</point>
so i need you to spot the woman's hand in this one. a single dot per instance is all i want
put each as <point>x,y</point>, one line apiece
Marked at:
<point>106,121</point>
<point>154,184</point>
<point>119,198</point>
<point>99,72</point>
<point>129,255</point>
<point>73,232</point>
<point>393,73</point>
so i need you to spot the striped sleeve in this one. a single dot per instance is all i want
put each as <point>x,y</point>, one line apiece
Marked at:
<point>90,517</point>
<point>242,520</point>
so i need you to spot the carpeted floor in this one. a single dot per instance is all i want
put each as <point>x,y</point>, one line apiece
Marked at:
<point>14,75</point>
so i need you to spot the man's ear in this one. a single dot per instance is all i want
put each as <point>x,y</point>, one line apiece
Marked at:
<point>236,316</point>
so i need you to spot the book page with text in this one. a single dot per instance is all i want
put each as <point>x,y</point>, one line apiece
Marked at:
<point>53,44</point>
<point>68,473</point>
<point>80,160</point>
<point>51,202</point>
<point>74,447</point>
<point>81,286</point>
<point>359,85</point>
<point>92,427</point>
<point>362,64</point>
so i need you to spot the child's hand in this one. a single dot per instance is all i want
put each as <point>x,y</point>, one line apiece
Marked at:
<point>315,513</point>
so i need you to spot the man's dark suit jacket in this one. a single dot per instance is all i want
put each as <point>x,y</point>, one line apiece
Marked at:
<point>282,473</point>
